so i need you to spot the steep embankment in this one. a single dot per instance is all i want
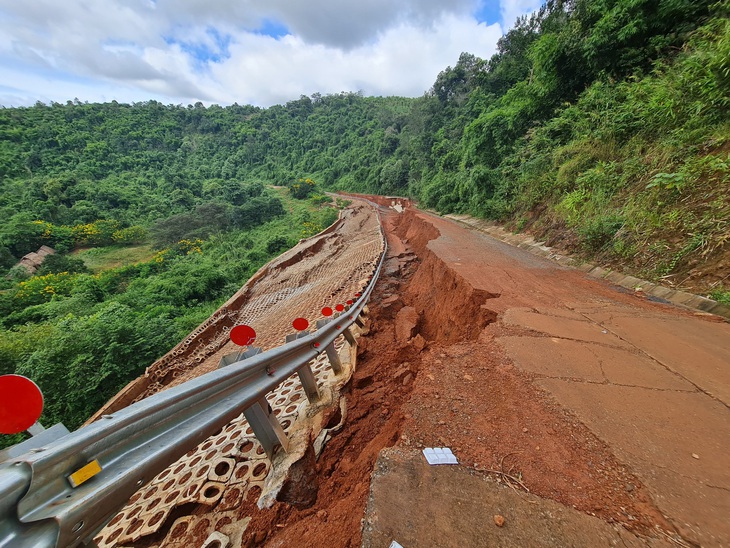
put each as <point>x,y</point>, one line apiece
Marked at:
<point>429,375</point>
<point>221,479</point>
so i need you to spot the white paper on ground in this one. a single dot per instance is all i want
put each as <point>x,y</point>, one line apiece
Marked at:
<point>439,455</point>
<point>394,544</point>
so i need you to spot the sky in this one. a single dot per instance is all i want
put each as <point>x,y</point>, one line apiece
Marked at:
<point>259,52</point>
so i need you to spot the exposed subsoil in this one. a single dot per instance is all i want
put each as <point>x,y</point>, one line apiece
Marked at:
<point>429,374</point>
<point>324,270</point>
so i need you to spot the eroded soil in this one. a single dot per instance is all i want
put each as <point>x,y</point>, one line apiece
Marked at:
<point>436,378</point>
<point>438,367</point>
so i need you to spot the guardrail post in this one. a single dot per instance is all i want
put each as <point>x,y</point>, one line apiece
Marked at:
<point>150,434</point>
<point>309,383</point>
<point>349,336</point>
<point>334,358</point>
<point>265,427</point>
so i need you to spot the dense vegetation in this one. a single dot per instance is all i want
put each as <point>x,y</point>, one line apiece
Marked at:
<point>601,124</point>
<point>91,320</point>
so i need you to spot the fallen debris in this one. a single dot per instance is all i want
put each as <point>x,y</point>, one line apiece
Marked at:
<point>439,455</point>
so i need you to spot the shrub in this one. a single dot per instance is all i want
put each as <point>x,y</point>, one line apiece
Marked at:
<point>55,264</point>
<point>302,188</point>
<point>597,232</point>
<point>130,235</point>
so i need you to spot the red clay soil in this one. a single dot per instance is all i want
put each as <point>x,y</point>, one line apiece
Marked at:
<point>448,385</point>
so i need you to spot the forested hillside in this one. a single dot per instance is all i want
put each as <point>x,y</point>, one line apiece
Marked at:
<point>601,125</point>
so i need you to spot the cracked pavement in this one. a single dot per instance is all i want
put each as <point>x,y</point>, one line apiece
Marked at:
<point>650,380</point>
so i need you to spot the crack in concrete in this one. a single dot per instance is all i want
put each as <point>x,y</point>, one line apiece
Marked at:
<point>600,364</point>
<point>543,335</point>
<point>656,360</point>
<point>676,473</point>
<point>609,383</point>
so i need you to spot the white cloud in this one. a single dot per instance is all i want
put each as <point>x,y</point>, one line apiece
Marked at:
<point>188,50</point>
<point>405,60</point>
<point>512,9</point>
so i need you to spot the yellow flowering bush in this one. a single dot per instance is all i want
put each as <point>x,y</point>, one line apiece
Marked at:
<point>183,247</point>
<point>59,237</point>
<point>46,229</point>
<point>130,235</point>
<point>310,229</point>
<point>98,233</point>
<point>40,289</point>
<point>95,234</point>
<point>188,247</point>
<point>302,188</point>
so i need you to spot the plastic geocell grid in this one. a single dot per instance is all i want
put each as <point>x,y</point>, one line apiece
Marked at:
<point>221,471</point>
<point>231,465</point>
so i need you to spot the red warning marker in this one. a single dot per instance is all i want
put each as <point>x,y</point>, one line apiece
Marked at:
<point>327,311</point>
<point>21,403</point>
<point>243,335</point>
<point>300,324</point>
<point>358,295</point>
<point>350,301</point>
<point>339,307</point>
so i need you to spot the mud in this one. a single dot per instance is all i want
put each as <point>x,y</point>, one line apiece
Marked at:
<point>431,372</point>
<point>450,309</point>
<point>457,388</point>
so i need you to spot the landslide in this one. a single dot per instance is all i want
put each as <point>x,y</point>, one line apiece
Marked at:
<point>428,374</point>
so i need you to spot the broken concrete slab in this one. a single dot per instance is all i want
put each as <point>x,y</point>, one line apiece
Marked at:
<point>562,327</point>
<point>422,505</point>
<point>563,358</point>
<point>553,357</point>
<point>680,436</point>
<point>697,350</point>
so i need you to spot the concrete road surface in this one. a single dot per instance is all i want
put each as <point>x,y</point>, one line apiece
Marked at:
<point>650,380</point>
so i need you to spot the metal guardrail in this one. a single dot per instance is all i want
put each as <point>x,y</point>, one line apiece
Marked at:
<point>38,505</point>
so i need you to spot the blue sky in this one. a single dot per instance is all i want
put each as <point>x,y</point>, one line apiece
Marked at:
<point>258,52</point>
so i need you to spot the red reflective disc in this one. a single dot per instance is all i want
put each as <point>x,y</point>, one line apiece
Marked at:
<point>243,335</point>
<point>21,403</point>
<point>350,301</point>
<point>358,295</point>
<point>327,311</point>
<point>339,307</point>
<point>300,324</point>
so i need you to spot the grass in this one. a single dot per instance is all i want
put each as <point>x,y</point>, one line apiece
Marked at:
<point>99,259</point>
<point>721,296</point>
